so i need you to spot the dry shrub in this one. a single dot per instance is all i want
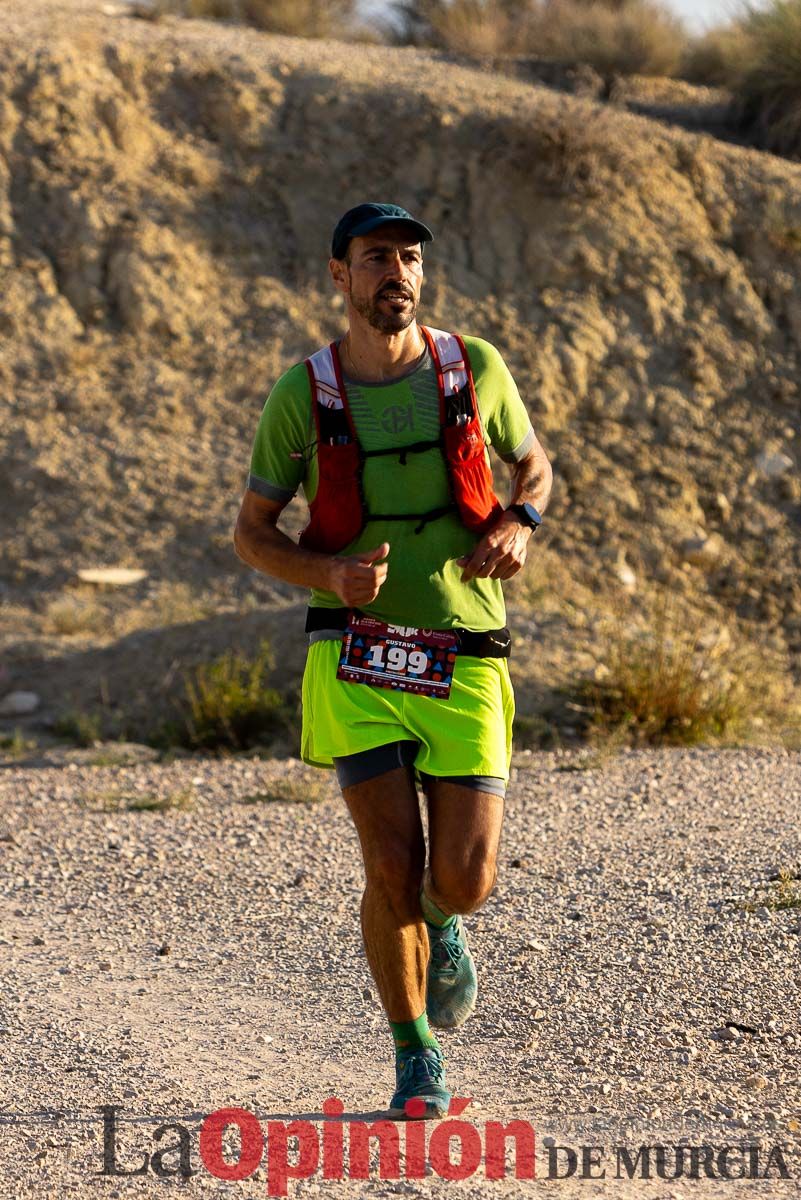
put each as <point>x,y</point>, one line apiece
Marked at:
<point>472,27</point>
<point>629,37</point>
<point>667,685</point>
<point>68,616</point>
<point>227,704</point>
<point>717,58</point>
<point>298,18</point>
<point>638,37</point>
<point>767,81</point>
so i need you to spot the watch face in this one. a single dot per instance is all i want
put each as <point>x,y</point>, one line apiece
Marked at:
<point>532,515</point>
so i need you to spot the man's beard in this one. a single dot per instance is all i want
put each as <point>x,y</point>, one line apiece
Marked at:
<point>380,319</point>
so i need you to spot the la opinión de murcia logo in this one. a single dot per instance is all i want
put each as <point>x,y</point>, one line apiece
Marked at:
<point>453,1149</point>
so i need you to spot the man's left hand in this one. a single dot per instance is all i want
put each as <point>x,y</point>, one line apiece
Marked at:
<point>500,554</point>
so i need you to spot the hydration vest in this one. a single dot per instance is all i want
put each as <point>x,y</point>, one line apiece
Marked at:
<point>338,513</point>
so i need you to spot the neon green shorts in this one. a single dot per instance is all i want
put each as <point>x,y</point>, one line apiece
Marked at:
<point>470,733</point>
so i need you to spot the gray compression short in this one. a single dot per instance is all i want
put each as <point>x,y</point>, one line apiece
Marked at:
<point>367,764</point>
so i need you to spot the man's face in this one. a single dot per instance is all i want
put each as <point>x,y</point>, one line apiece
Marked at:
<point>382,277</point>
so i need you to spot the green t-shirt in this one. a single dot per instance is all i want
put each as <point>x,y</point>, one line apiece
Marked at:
<point>423,585</point>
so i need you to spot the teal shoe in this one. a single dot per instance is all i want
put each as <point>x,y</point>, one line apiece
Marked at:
<point>420,1075</point>
<point>452,984</point>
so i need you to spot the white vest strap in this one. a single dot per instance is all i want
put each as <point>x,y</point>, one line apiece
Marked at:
<point>449,363</point>
<point>326,387</point>
<point>449,360</point>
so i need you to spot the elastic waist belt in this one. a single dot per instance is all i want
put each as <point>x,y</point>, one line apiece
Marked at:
<point>492,643</point>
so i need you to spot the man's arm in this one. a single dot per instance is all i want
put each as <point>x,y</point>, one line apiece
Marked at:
<point>501,553</point>
<point>259,542</point>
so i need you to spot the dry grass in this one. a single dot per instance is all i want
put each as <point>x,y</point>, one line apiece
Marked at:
<point>292,789</point>
<point>767,83</point>
<point>180,604</point>
<point>638,37</point>
<point>783,893</point>
<point>70,616</point>
<point>298,18</point>
<point>666,686</point>
<point>473,27</point>
<point>718,57</point>
<point>128,801</point>
<point>633,37</point>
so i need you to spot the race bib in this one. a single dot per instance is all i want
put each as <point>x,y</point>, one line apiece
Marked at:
<point>398,656</point>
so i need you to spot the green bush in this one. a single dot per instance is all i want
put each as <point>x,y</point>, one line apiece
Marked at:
<point>228,705</point>
<point>82,728</point>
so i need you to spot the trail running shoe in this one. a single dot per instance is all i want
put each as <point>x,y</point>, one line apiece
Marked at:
<point>452,984</point>
<point>420,1075</point>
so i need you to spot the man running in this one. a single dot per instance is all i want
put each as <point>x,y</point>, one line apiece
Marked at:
<point>405,552</point>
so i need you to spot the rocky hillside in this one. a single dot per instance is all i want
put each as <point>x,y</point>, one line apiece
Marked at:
<point>167,192</point>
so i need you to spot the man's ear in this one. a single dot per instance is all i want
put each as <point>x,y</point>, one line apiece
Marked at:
<point>340,274</point>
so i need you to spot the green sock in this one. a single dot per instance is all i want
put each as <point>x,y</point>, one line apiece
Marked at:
<point>413,1034</point>
<point>433,914</point>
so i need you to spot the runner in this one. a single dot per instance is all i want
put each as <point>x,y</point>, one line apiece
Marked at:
<point>405,550</point>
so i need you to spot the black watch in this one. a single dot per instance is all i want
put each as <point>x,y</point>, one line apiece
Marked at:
<point>527,514</point>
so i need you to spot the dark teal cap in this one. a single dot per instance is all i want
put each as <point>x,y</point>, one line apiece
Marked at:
<point>367,217</point>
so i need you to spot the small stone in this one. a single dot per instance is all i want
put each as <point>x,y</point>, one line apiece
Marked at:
<point>112,576</point>
<point>723,1110</point>
<point>756,1082</point>
<point>263,1039</point>
<point>19,704</point>
<point>703,551</point>
<point>773,465</point>
<point>104,966</point>
<point>163,949</point>
<point>726,1034</point>
<point>516,862</point>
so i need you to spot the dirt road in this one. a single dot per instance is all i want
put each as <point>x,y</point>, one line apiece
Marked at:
<point>176,940</point>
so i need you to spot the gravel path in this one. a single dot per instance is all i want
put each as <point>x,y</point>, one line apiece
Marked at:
<point>613,953</point>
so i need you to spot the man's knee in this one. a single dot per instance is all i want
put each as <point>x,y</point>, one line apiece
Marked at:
<point>397,871</point>
<point>464,886</point>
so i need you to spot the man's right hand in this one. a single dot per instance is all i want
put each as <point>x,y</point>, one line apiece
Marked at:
<point>358,579</point>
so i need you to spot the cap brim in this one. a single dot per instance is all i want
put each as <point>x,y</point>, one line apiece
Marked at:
<point>421,231</point>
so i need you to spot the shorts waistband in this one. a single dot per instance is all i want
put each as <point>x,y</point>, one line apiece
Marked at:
<point>490,643</point>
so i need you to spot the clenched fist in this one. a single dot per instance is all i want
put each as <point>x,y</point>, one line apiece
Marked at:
<point>358,579</point>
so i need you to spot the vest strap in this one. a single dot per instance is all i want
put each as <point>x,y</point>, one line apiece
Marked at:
<point>433,514</point>
<point>402,451</point>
